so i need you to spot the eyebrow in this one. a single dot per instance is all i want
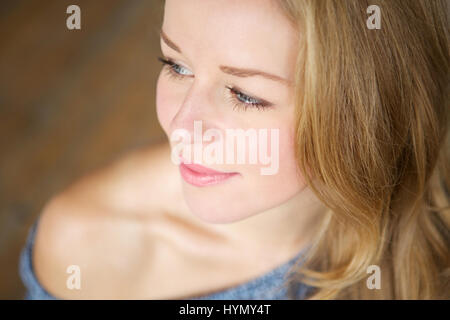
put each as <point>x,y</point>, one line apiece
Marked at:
<point>238,72</point>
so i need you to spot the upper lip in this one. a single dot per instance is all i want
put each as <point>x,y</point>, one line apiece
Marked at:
<point>204,170</point>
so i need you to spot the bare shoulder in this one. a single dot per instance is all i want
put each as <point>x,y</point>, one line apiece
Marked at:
<point>143,179</point>
<point>97,228</point>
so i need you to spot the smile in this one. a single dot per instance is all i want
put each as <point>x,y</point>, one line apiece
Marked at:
<point>201,176</point>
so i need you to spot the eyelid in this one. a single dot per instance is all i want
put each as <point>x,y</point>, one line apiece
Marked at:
<point>170,62</point>
<point>235,91</point>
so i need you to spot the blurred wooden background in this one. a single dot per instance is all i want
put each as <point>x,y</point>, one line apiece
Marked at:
<point>70,101</point>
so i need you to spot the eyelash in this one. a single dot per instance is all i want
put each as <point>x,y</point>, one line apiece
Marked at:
<point>235,93</point>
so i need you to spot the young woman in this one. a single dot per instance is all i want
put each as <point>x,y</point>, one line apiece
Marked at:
<point>357,206</point>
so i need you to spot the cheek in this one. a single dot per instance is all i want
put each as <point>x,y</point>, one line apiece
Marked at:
<point>165,103</point>
<point>282,152</point>
<point>254,193</point>
<point>287,181</point>
<point>288,161</point>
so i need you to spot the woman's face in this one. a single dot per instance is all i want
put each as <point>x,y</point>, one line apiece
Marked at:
<point>207,40</point>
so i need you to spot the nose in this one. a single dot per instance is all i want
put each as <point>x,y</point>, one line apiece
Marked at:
<point>190,128</point>
<point>196,106</point>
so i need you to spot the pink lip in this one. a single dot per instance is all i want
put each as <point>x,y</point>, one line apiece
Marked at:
<point>201,176</point>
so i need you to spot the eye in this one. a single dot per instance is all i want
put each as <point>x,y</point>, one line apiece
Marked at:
<point>243,101</point>
<point>238,98</point>
<point>173,68</point>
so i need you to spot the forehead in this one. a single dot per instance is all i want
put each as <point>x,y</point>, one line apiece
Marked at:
<point>244,33</point>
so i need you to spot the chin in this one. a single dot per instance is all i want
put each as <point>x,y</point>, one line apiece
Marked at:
<point>237,199</point>
<point>212,206</point>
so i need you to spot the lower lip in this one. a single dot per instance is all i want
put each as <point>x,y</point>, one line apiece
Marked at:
<point>200,179</point>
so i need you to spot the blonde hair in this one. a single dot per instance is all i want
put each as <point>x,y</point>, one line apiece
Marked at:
<point>372,122</point>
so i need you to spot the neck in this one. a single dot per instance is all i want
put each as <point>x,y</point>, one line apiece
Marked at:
<point>282,231</point>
